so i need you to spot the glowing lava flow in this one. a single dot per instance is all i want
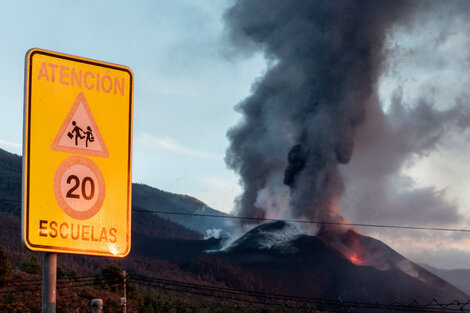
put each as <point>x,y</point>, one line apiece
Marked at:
<point>356,260</point>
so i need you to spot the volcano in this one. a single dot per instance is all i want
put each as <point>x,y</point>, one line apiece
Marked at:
<point>324,266</point>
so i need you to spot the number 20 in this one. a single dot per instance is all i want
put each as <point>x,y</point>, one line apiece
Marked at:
<point>86,180</point>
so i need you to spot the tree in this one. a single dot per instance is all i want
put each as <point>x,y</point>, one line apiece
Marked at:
<point>31,266</point>
<point>5,267</point>
<point>11,303</point>
<point>60,272</point>
<point>112,277</point>
<point>73,276</point>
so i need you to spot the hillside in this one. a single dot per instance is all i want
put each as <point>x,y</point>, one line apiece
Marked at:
<point>10,182</point>
<point>159,200</point>
<point>458,277</point>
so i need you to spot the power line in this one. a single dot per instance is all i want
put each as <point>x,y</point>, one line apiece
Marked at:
<point>258,299</point>
<point>279,300</point>
<point>258,219</point>
<point>254,297</point>
<point>306,221</point>
<point>159,282</point>
<point>21,286</point>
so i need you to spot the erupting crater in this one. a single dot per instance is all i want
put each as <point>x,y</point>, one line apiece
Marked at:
<point>334,263</point>
<point>356,260</point>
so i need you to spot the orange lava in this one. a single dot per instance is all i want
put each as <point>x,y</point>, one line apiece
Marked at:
<point>356,260</point>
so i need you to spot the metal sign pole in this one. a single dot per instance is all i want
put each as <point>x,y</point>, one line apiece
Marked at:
<point>49,282</point>
<point>124,306</point>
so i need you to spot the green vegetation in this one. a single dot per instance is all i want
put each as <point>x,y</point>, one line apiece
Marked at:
<point>112,278</point>
<point>72,276</point>
<point>5,267</point>
<point>12,303</point>
<point>31,266</point>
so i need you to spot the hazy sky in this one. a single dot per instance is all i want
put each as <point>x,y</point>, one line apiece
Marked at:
<point>187,83</point>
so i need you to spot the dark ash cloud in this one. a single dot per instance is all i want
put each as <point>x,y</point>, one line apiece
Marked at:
<point>300,121</point>
<point>314,138</point>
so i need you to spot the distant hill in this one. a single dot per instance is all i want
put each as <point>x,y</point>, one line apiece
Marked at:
<point>158,200</point>
<point>10,182</point>
<point>460,278</point>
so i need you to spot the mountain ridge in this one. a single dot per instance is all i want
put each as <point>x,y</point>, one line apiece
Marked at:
<point>154,199</point>
<point>459,277</point>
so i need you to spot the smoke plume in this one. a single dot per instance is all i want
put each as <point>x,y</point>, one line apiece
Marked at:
<point>299,123</point>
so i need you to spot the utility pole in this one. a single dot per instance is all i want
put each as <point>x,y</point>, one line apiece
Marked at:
<point>49,282</point>
<point>124,299</point>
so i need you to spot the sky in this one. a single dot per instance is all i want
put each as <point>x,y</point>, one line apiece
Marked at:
<point>188,80</point>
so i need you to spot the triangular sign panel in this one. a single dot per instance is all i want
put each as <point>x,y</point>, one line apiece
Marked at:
<point>79,132</point>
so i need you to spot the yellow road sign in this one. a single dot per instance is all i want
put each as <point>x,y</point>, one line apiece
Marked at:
<point>77,155</point>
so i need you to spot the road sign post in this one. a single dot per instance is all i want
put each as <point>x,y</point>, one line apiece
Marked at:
<point>49,282</point>
<point>77,160</point>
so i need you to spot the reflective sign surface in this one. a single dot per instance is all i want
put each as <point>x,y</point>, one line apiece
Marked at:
<point>77,155</point>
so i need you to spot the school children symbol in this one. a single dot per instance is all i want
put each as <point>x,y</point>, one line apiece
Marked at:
<point>79,132</point>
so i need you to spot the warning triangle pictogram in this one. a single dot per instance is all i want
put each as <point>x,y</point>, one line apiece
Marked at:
<point>79,132</point>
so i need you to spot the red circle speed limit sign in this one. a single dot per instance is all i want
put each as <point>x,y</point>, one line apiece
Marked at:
<point>79,187</point>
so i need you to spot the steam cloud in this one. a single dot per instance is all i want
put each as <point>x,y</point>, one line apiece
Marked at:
<point>300,121</point>
<point>378,190</point>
